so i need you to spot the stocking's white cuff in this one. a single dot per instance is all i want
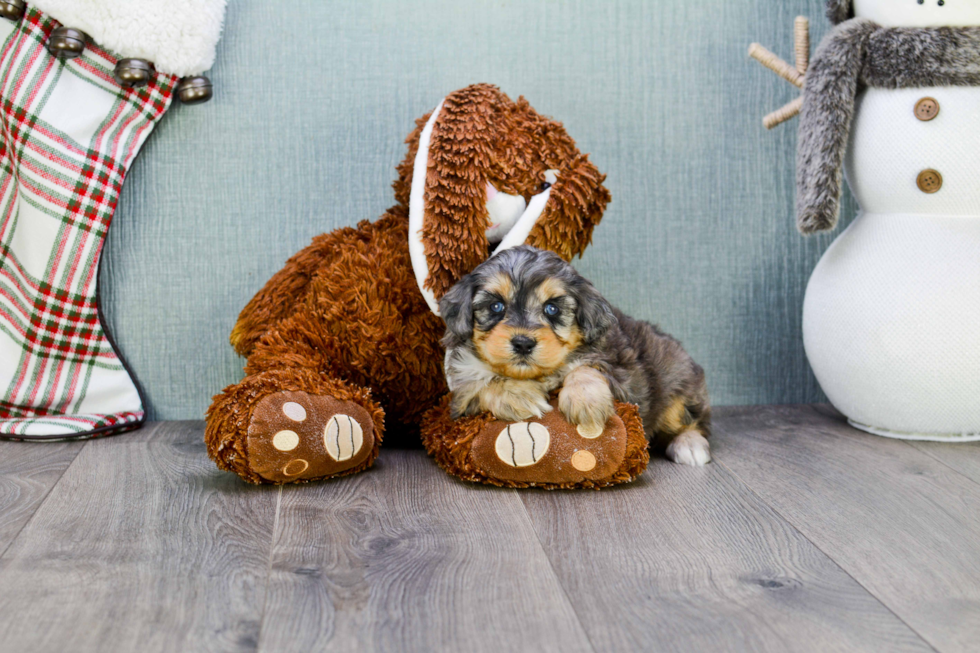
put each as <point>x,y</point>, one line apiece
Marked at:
<point>178,36</point>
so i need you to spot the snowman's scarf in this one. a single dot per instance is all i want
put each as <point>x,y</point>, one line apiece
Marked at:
<point>860,53</point>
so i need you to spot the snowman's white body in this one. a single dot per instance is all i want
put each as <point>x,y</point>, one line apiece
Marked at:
<point>891,318</point>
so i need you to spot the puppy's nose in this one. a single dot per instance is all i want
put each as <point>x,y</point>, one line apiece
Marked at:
<point>523,345</point>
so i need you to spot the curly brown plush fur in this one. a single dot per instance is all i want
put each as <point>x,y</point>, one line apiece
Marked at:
<point>347,308</point>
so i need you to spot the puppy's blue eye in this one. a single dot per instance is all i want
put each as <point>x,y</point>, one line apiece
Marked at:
<point>497,307</point>
<point>550,310</point>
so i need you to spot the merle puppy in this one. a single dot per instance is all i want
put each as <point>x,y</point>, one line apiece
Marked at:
<point>524,323</point>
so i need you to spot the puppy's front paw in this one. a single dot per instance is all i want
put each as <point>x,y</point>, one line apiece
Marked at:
<point>586,401</point>
<point>515,401</point>
<point>689,448</point>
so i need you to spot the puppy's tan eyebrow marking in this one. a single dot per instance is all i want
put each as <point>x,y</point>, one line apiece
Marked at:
<point>501,285</point>
<point>549,289</point>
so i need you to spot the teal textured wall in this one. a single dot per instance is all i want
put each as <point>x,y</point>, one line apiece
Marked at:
<point>313,102</point>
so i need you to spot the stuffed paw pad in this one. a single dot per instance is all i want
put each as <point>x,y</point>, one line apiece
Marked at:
<point>546,452</point>
<point>295,436</point>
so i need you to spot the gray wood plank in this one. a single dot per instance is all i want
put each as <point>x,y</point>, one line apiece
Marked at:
<point>142,546</point>
<point>964,458</point>
<point>405,558</point>
<point>691,560</point>
<point>900,522</point>
<point>28,471</point>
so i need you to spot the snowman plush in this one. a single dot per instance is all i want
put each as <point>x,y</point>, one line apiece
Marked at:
<point>891,318</point>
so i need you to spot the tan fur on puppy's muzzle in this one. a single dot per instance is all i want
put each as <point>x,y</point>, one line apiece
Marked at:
<point>495,348</point>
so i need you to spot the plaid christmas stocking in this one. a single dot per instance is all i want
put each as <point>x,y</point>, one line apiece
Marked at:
<point>70,131</point>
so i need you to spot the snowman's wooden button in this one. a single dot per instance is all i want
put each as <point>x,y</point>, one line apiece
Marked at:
<point>926,109</point>
<point>929,181</point>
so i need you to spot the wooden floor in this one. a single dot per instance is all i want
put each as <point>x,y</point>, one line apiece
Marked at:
<point>803,535</point>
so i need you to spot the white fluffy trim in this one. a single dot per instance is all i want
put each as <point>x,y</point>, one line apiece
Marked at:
<point>178,36</point>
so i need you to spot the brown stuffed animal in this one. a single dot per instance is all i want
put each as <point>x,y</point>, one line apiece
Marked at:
<point>345,337</point>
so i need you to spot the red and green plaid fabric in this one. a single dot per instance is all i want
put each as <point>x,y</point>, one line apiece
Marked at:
<point>70,133</point>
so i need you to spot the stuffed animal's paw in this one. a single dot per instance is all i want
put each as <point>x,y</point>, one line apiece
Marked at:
<point>296,436</point>
<point>549,451</point>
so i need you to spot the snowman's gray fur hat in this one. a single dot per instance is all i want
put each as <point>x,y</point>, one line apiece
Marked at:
<point>839,10</point>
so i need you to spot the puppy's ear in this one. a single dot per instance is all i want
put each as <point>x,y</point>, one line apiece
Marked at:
<point>456,308</point>
<point>593,314</point>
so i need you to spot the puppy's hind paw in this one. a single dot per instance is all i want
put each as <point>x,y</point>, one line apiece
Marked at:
<point>689,448</point>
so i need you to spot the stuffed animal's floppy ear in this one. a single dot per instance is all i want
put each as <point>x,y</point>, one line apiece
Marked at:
<point>593,313</point>
<point>456,309</point>
<point>574,208</point>
<point>456,218</point>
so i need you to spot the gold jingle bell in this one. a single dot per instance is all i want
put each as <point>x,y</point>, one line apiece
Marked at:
<point>131,73</point>
<point>67,42</point>
<point>12,9</point>
<point>194,90</point>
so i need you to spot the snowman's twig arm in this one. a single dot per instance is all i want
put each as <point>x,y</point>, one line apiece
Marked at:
<point>825,124</point>
<point>768,59</point>
<point>801,37</point>
<point>787,112</point>
<point>793,75</point>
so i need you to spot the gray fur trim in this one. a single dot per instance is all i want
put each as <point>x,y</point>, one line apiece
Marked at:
<point>839,10</point>
<point>914,57</point>
<point>860,53</point>
<point>825,124</point>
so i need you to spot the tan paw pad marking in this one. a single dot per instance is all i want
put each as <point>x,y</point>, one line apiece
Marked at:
<point>343,437</point>
<point>583,461</point>
<point>294,411</point>
<point>590,432</point>
<point>522,444</point>
<point>295,467</point>
<point>285,440</point>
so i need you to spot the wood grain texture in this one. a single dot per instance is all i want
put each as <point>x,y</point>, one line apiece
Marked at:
<point>142,546</point>
<point>803,535</point>
<point>404,558</point>
<point>964,458</point>
<point>28,471</point>
<point>691,560</point>
<point>900,522</point>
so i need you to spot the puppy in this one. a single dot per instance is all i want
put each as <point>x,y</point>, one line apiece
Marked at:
<point>524,323</point>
